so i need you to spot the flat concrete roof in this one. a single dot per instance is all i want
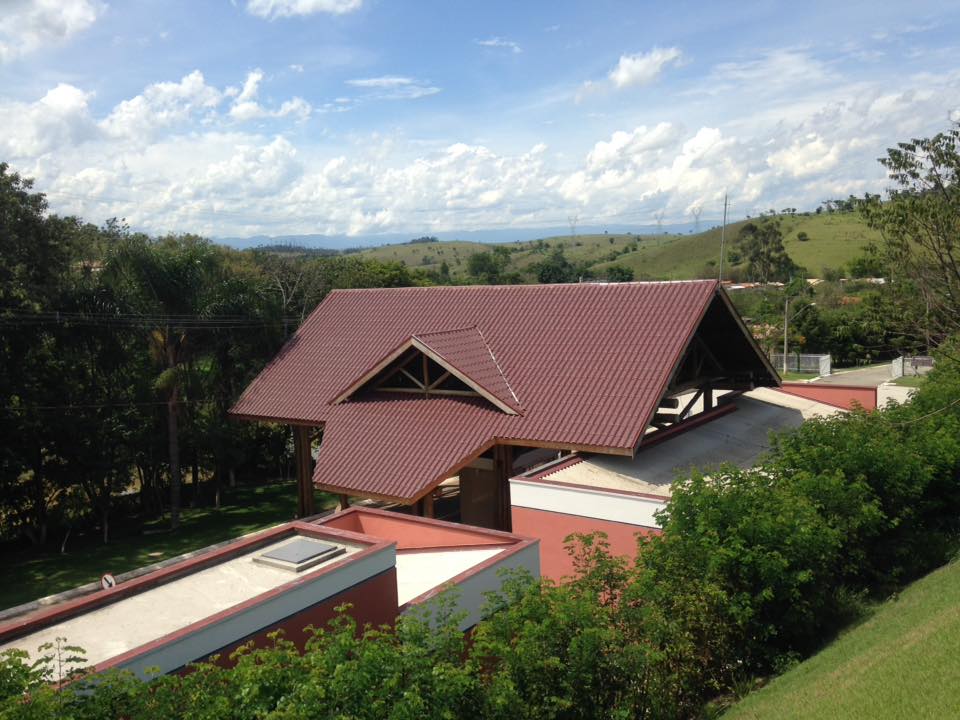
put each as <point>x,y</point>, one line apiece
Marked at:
<point>153,613</point>
<point>739,438</point>
<point>422,570</point>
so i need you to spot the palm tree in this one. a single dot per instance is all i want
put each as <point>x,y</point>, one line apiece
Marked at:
<point>168,285</point>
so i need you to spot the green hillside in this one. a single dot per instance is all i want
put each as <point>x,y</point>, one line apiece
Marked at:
<point>833,240</point>
<point>901,663</point>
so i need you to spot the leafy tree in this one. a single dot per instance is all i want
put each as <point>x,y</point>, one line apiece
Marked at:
<point>920,224</point>
<point>556,269</point>
<point>619,273</point>
<point>487,266</point>
<point>761,246</point>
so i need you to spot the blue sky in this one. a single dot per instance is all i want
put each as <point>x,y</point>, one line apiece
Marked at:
<point>362,117</point>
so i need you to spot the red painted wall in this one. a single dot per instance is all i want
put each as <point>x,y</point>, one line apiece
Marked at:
<point>410,534</point>
<point>842,396</point>
<point>374,601</point>
<point>553,527</point>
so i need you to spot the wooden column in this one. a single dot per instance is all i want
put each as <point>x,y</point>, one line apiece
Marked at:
<point>428,505</point>
<point>503,470</point>
<point>304,463</point>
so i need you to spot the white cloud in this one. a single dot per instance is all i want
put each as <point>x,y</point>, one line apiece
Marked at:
<point>632,71</point>
<point>178,156</point>
<point>272,9</point>
<point>643,68</point>
<point>499,42</point>
<point>245,105</point>
<point>805,156</point>
<point>395,87</point>
<point>26,26</point>
<point>162,105</point>
<point>60,118</point>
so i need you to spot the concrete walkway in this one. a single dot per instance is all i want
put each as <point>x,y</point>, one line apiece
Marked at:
<point>866,377</point>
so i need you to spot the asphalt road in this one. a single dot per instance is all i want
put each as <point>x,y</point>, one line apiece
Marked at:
<point>867,377</point>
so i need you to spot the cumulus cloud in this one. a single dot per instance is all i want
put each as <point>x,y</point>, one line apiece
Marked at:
<point>178,156</point>
<point>246,107</point>
<point>632,71</point>
<point>805,156</point>
<point>60,118</point>
<point>643,68</point>
<point>28,26</point>
<point>162,105</point>
<point>499,42</point>
<point>271,9</point>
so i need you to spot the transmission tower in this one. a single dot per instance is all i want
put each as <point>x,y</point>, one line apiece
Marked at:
<point>696,217</point>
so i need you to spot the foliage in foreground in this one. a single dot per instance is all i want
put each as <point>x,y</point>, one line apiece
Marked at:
<point>754,570</point>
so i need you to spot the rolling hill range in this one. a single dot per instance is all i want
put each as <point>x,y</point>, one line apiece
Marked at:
<point>901,663</point>
<point>833,240</point>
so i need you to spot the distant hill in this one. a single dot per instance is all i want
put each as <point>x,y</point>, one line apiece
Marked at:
<point>901,663</point>
<point>832,240</point>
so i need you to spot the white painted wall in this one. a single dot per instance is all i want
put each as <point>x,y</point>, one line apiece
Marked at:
<point>470,593</point>
<point>211,638</point>
<point>585,502</point>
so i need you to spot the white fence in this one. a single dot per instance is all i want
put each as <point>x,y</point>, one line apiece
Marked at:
<point>798,363</point>
<point>917,365</point>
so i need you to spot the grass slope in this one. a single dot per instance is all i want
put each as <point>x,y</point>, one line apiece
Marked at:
<point>901,663</point>
<point>245,509</point>
<point>834,240</point>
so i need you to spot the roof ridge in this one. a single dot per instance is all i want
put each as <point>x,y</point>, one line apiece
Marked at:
<point>525,286</point>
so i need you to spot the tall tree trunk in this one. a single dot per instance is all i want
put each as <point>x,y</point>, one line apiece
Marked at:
<point>195,471</point>
<point>173,444</point>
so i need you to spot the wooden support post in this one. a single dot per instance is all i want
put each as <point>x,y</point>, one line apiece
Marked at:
<point>304,463</point>
<point>344,501</point>
<point>428,505</point>
<point>503,469</point>
<point>707,398</point>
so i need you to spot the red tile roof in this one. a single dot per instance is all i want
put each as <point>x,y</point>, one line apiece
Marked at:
<point>585,364</point>
<point>466,351</point>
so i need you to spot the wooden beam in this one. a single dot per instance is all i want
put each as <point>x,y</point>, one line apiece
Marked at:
<point>412,377</point>
<point>503,470</point>
<point>438,381</point>
<point>304,464</point>
<point>428,510</point>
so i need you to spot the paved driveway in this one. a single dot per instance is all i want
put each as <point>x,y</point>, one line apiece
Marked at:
<point>867,377</point>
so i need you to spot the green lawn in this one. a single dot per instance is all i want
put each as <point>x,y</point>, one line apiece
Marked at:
<point>245,509</point>
<point>797,377</point>
<point>909,381</point>
<point>901,663</point>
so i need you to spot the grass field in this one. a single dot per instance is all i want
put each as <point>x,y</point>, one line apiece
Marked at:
<point>244,510</point>
<point>909,381</point>
<point>797,377</point>
<point>900,663</point>
<point>834,240</point>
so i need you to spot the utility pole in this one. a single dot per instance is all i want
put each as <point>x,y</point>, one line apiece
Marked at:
<point>786,320</point>
<point>723,233</point>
